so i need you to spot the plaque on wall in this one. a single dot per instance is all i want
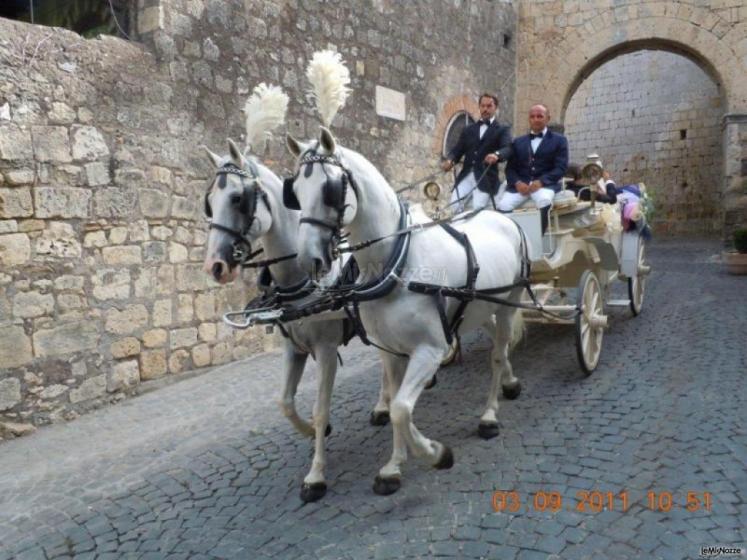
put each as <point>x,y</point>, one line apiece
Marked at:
<point>390,103</point>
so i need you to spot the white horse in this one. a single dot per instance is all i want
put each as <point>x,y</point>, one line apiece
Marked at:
<point>245,206</point>
<point>337,187</point>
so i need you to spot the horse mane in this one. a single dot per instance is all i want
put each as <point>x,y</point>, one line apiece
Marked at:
<point>265,111</point>
<point>329,78</point>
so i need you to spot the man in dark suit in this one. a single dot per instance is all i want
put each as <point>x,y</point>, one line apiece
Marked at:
<point>537,166</point>
<point>482,144</point>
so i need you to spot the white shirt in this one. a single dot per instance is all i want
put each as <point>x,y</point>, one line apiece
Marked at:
<point>537,141</point>
<point>484,127</point>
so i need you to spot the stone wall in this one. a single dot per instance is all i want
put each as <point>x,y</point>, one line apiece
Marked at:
<point>655,117</point>
<point>101,176</point>
<point>562,42</point>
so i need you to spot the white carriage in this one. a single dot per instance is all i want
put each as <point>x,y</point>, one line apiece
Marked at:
<point>574,264</point>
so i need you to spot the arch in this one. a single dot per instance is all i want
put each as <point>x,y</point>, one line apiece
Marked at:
<point>656,44</point>
<point>452,126</point>
<point>453,106</point>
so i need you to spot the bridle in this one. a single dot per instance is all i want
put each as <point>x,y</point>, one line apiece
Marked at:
<point>334,191</point>
<point>242,246</point>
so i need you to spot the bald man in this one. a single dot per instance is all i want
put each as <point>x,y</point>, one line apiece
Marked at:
<point>536,167</point>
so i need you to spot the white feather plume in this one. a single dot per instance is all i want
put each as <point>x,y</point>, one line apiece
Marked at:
<point>265,111</point>
<point>329,78</point>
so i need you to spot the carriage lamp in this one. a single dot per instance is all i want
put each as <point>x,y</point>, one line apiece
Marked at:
<point>432,190</point>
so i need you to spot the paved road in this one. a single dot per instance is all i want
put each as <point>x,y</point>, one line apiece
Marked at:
<point>208,467</point>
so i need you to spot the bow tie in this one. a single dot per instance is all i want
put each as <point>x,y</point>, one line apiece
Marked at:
<point>486,122</point>
<point>532,136</point>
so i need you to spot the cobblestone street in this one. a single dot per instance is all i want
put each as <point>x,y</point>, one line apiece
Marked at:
<point>209,468</point>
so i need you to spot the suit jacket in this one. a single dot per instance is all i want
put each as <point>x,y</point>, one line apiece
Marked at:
<point>496,140</point>
<point>548,163</point>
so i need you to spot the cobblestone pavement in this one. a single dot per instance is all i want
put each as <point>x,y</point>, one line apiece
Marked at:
<point>209,468</point>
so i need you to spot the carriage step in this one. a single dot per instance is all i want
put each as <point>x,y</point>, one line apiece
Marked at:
<point>618,302</point>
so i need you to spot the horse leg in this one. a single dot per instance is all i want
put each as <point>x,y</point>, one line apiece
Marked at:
<point>514,325</point>
<point>423,363</point>
<point>314,487</point>
<point>380,414</point>
<point>389,477</point>
<point>500,328</point>
<point>294,363</point>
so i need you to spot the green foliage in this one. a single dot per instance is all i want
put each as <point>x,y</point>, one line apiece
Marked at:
<point>87,17</point>
<point>740,240</point>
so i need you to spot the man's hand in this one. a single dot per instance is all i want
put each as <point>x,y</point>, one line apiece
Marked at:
<point>447,164</point>
<point>490,159</point>
<point>522,188</point>
<point>535,185</point>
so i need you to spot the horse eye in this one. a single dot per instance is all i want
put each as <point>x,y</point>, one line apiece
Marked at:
<point>235,199</point>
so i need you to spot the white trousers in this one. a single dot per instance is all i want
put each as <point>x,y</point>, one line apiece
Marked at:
<point>511,200</point>
<point>466,187</point>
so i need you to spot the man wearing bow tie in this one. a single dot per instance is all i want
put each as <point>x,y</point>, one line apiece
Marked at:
<point>537,166</point>
<point>482,144</point>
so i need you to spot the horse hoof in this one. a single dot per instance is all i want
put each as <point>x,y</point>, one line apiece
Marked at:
<point>447,459</point>
<point>313,492</point>
<point>386,486</point>
<point>487,430</point>
<point>432,383</point>
<point>512,391</point>
<point>379,418</point>
<point>328,430</point>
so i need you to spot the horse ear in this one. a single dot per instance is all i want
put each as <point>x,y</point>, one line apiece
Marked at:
<point>294,147</point>
<point>236,155</point>
<point>214,158</point>
<point>327,140</point>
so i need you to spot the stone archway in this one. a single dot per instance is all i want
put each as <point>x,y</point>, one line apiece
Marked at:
<point>562,42</point>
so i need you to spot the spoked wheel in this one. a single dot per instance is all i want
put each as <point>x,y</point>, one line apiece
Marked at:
<point>590,322</point>
<point>637,283</point>
<point>452,353</point>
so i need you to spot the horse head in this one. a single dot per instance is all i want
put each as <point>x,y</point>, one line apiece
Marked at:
<point>326,192</point>
<point>238,206</point>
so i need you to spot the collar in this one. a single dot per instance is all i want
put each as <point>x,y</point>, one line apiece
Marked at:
<point>544,132</point>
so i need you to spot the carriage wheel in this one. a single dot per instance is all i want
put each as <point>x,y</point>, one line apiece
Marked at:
<point>637,283</point>
<point>590,322</point>
<point>451,354</point>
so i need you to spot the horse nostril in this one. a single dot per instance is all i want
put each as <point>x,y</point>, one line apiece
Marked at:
<point>217,270</point>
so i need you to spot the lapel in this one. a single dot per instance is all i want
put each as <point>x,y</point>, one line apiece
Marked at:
<point>491,128</point>
<point>543,147</point>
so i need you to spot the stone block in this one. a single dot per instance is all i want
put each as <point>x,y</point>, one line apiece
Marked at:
<point>111,284</point>
<point>95,239</point>
<point>184,208</point>
<point>122,255</point>
<point>69,282</point>
<point>123,376</point>
<point>112,202</point>
<point>184,308</point>
<point>53,391</point>
<point>205,306</point>
<point>51,143</point>
<point>154,203</point>
<point>153,364</point>
<point>190,277</point>
<point>162,313</point>
<point>201,355</point>
<point>32,304</point>
<point>73,337</point>
<point>15,143</point>
<point>10,392</point>
<point>221,353</point>
<point>53,202</point>
<point>181,338</point>
<point>118,235</point>
<point>61,113</point>
<point>161,232</point>
<point>179,361</point>
<point>155,338</point>
<point>90,389</point>
<point>59,240</point>
<point>150,19</point>
<point>16,203</point>
<point>158,174</point>
<point>127,321</point>
<point>177,253</point>
<point>208,332</point>
<point>88,143</point>
<point>15,249</point>
<point>125,347</point>
<point>70,302</point>
<point>154,251</point>
<point>138,230</point>
<point>97,173</point>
